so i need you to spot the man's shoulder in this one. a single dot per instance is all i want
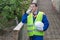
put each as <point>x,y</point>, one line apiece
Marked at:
<point>42,12</point>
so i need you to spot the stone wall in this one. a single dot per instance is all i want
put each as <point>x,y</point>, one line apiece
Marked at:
<point>56,4</point>
<point>12,35</point>
<point>15,35</point>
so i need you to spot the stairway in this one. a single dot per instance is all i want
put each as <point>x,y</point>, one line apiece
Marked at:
<point>53,32</point>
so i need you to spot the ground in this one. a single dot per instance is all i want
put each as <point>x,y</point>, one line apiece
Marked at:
<point>53,32</point>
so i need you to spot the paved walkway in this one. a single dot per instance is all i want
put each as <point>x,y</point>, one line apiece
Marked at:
<point>53,33</point>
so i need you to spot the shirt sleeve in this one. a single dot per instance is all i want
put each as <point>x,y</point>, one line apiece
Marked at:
<point>46,23</point>
<point>24,18</point>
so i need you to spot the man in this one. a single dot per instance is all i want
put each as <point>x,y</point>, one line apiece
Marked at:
<point>36,21</point>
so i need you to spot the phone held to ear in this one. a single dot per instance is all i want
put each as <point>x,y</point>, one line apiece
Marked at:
<point>29,10</point>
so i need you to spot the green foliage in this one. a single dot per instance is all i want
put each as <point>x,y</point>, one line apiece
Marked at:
<point>9,9</point>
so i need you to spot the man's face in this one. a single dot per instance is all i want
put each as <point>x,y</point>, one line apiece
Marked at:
<point>34,8</point>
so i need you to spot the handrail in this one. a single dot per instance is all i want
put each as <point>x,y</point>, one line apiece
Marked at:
<point>34,1</point>
<point>19,26</point>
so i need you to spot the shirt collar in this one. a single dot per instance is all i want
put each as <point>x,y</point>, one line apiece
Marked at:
<point>36,12</point>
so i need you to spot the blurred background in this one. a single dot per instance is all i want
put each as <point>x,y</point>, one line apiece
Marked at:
<point>11,12</point>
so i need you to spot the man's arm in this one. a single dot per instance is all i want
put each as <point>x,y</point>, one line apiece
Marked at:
<point>24,18</point>
<point>46,23</point>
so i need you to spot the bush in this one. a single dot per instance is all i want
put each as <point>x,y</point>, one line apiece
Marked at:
<point>9,9</point>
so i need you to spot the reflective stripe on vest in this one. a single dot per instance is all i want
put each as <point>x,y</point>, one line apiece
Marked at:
<point>30,25</point>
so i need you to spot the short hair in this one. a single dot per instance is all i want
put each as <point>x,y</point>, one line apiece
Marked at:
<point>34,4</point>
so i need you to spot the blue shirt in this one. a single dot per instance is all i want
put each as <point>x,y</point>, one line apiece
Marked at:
<point>44,20</point>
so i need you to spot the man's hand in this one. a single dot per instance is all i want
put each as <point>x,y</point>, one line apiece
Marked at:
<point>29,10</point>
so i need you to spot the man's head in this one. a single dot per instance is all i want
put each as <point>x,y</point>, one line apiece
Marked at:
<point>34,7</point>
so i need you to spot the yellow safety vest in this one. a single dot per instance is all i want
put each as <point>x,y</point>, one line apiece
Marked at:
<point>31,28</point>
